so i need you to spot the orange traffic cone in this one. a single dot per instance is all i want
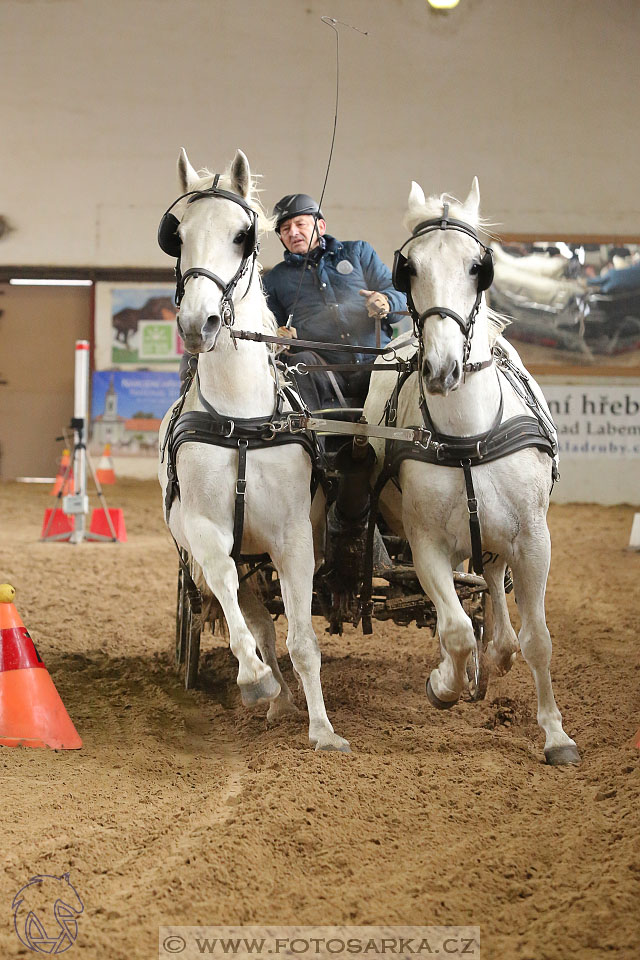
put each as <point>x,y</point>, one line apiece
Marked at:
<point>68,486</point>
<point>31,711</point>
<point>105,472</point>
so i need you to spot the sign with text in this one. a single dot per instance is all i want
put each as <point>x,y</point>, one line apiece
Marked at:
<point>595,420</point>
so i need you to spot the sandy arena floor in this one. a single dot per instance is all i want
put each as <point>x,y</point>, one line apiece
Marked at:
<point>184,808</point>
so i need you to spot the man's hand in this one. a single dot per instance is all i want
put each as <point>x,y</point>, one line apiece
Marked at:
<point>377,304</point>
<point>287,332</point>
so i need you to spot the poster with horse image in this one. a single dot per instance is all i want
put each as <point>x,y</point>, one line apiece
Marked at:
<point>135,327</point>
<point>127,408</point>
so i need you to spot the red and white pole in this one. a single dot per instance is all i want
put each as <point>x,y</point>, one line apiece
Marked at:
<point>80,429</point>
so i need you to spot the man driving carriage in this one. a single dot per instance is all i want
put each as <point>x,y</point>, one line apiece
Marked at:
<point>328,290</point>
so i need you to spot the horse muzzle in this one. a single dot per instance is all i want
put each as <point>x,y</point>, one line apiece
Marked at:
<point>441,379</point>
<point>200,337</point>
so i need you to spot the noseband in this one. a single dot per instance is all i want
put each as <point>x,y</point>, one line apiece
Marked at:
<point>170,243</point>
<point>402,274</point>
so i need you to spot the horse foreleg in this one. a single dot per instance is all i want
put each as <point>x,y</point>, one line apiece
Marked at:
<point>255,678</point>
<point>457,641</point>
<point>259,621</point>
<point>503,643</point>
<point>295,568</point>
<point>530,570</point>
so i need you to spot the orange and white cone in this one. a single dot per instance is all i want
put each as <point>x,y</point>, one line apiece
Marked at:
<point>31,711</point>
<point>68,486</point>
<point>105,472</point>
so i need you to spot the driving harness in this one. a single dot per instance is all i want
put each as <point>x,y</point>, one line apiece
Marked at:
<point>244,434</point>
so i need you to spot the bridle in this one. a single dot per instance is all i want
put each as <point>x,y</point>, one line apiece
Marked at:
<point>403,271</point>
<point>171,244</point>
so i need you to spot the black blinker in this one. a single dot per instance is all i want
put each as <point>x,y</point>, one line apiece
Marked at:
<point>168,237</point>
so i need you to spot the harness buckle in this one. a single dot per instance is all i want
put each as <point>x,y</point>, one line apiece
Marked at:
<point>232,427</point>
<point>440,451</point>
<point>271,428</point>
<point>297,422</point>
<point>423,438</point>
<point>241,487</point>
<point>481,449</point>
<point>297,371</point>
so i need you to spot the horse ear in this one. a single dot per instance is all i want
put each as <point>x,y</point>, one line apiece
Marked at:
<point>416,198</point>
<point>186,174</point>
<point>241,175</point>
<point>472,203</point>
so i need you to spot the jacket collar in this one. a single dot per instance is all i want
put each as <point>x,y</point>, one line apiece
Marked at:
<point>331,248</point>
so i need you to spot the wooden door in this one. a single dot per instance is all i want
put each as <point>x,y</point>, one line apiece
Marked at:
<point>38,330</point>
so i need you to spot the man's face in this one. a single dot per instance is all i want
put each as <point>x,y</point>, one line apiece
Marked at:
<point>296,233</point>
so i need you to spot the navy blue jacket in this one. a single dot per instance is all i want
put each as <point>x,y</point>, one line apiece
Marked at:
<point>329,307</point>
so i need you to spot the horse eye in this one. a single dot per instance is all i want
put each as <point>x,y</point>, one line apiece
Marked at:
<point>240,238</point>
<point>475,268</point>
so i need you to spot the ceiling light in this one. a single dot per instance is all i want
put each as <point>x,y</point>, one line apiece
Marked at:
<point>443,4</point>
<point>27,282</point>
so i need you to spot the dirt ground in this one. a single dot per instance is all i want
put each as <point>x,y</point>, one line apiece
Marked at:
<point>185,808</point>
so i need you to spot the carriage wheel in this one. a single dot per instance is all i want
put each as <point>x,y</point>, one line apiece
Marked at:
<point>192,646</point>
<point>477,665</point>
<point>180,620</point>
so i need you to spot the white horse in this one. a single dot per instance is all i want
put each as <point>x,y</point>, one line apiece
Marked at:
<point>215,240</point>
<point>512,492</point>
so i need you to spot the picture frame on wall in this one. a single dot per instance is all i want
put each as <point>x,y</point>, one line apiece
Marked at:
<point>135,327</point>
<point>573,305</point>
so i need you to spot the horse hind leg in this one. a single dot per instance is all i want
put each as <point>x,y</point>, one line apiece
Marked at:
<point>259,621</point>
<point>530,569</point>
<point>255,680</point>
<point>503,643</point>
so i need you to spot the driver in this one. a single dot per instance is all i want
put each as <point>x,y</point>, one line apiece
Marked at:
<point>328,290</point>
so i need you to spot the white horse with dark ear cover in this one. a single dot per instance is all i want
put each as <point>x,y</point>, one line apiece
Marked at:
<point>460,383</point>
<point>236,378</point>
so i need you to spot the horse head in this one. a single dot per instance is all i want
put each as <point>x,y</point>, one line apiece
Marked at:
<point>444,272</point>
<point>212,230</point>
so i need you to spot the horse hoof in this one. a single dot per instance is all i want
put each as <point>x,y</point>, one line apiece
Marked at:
<point>267,688</point>
<point>559,756</point>
<point>335,743</point>
<point>279,709</point>
<point>436,701</point>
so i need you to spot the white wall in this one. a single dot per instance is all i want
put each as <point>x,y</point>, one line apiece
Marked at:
<point>537,97</point>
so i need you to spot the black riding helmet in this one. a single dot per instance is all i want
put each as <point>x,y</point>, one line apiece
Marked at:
<point>295,205</point>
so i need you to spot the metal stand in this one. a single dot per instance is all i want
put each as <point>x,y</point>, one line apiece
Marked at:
<point>77,504</point>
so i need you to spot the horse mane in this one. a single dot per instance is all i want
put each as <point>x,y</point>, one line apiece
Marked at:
<point>432,208</point>
<point>265,224</point>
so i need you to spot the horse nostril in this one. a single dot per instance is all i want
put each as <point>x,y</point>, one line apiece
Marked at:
<point>211,324</point>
